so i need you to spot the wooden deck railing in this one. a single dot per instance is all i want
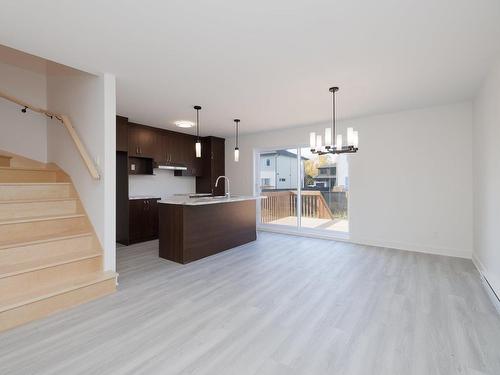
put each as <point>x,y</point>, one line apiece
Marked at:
<point>281,204</point>
<point>65,120</point>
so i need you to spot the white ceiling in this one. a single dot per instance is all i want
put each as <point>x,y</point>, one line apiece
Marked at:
<point>268,62</point>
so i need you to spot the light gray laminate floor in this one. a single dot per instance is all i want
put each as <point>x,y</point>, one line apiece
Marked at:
<point>281,305</point>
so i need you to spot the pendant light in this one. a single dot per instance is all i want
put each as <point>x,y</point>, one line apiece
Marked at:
<point>333,142</point>
<point>236,149</point>
<point>197,145</point>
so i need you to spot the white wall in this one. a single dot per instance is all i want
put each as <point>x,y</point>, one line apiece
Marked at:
<point>410,183</point>
<point>487,179</point>
<point>23,134</point>
<point>90,102</point>
<point>161,184</point>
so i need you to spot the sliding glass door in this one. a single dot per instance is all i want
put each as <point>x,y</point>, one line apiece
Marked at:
<point>325,192</point>
<point>303,191</point>
<point>278,179</point>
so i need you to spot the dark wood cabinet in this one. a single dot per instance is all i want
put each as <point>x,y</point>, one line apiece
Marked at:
<point>192,232</point>
<point>193,164</point>
<point>213,161</point>
<point>170,147</point>
<point>121,134</point>
<point>142,141</point>
<point>140,165</point>
<point>143,222</point>
<point>139,147</point>
<point>122,209</point>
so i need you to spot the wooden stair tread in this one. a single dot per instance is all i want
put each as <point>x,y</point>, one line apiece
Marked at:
<point>48,169</point>
<point>45,238</point>
<point>55,289</point>
<point>33,183</point>
<point>38,200</point>
<point>47,262</point>
<point>39,218</point>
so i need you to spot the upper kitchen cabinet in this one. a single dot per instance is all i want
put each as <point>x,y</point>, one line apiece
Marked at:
<point>213,159</point>
<point>142,141</point>
<point>121,133</point>
<point>188,156</point>
<point>170,148</point>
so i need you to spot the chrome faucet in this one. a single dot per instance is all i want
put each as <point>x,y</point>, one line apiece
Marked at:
<point>228,194</point>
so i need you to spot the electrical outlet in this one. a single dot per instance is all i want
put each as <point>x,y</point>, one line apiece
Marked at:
<point>132,167</point>
<point>97,161</point>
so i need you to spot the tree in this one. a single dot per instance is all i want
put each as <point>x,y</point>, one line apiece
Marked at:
<point>311,167</point>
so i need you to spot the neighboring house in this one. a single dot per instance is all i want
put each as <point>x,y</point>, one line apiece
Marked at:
<point>327,177</point>
<point>333,176</point>
<point>278,170</point>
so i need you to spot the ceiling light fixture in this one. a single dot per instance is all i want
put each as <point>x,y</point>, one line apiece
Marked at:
<point>184,124</point>
<point>197,145</point>
<point>236,149</point>
<point>316,141</point>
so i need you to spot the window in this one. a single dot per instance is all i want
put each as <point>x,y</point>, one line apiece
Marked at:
<point>314,194</point>
<point>268,162</point>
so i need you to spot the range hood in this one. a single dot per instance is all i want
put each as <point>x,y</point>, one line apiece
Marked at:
<point>171,167</point>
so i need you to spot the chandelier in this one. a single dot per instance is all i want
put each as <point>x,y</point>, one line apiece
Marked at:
<point>316,141</point>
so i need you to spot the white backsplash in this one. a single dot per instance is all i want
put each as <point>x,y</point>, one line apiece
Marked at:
<point>161,184</point>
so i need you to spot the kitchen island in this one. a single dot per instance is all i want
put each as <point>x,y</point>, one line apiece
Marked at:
<point>194,228</point>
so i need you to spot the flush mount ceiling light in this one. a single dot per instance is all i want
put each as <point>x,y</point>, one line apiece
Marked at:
<point>316,141</point>
<point>236,149</point>
<point>197,145</point>
<point>184,124</point>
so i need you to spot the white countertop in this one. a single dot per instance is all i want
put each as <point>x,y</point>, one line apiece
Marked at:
<point>184,200</point>
<point>143,197</point>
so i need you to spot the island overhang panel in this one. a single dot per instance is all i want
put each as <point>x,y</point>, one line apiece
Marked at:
<point>191,232</point>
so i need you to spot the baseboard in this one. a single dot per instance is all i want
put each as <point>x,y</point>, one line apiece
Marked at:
<point>337,236</point>
<point>491,284</point>
<point>426,249</point>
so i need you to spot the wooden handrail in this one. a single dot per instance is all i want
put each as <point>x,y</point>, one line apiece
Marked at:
<point>65,120</point>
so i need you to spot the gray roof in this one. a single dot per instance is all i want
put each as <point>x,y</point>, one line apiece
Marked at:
<point>283,153</point>
<point>328,166</point>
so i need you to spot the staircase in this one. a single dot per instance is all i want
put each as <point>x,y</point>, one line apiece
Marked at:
<point>50,257</point>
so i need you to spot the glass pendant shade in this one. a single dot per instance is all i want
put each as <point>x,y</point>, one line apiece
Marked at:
<point>328,137</point>
<point>319,142</point>
<point>312,140</point>
<point>355,140</point>
<point>198,148</point>
<point>236,154</point>
<point>350,136</point>
<point>338,146</point>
